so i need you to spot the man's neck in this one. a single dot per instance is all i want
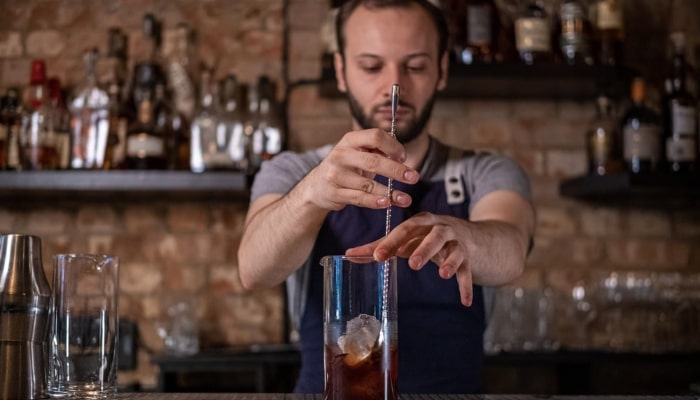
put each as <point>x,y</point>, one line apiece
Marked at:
<point>416,150</point>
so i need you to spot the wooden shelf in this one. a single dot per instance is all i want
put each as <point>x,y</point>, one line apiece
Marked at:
<point>652,190</point>
<point>122,185</point>
<point>519,81</point>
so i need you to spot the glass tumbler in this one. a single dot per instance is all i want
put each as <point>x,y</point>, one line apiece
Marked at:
<point>360,328</point>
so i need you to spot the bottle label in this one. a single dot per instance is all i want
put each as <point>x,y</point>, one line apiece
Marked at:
<point>532,34</point>
<point>609,15</point>
<point>143,145</point>
<point>683,120</point>
<point>680,149</point>
<point>601,147</point>
<point>478,25</point>
<point>641,143</point>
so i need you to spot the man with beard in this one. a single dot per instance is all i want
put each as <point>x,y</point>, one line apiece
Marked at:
<point>332,200</point>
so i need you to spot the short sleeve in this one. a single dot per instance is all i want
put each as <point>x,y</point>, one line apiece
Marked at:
<point>488,173</point>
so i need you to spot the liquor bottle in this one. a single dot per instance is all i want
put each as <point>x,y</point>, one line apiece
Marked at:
<point>89,119</point>
<point>118,126</point>
<point>59,122</point>
<point>3,133</point>
<point>168,125</point>
<point>602,139</point>
<point>180,74</point>
<point>479,33</point>
<point>270,122</point>
<point>207,147</point>
<point>680,113</point>
<point>113,67</point>
<point>147,72</point>
<point>145,147</point>
<point>232,121</point>
<point>12,124</point>
<point>609,31</point>
<point>641,132</point>
<point>533,39</point>
<point>574,34</point>
<point>37,146</point>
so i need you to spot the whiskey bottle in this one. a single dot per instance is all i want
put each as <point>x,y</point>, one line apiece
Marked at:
<point>89,119</point>
<point>533,39</point>
<point>118,126</point>
<point>37,145</point>
<point>145,147</point>
<point>148,71</point>
<point>11,122</point>
<point>680,113</point>
<point>602,139</point>
<point>575,34</point>
<point>609,31</point>
<point>641,133</point>
<point>479,35</point>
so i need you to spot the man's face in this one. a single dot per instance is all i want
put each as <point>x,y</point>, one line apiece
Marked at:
<point>387,46</point>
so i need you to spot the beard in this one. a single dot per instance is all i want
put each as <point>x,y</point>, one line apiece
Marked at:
<point>403,135</point>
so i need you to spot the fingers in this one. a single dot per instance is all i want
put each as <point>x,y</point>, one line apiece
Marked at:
<point>464,281</point>
<point>375,153</point>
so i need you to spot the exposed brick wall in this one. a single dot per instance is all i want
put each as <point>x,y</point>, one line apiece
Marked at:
<point>191,248</point>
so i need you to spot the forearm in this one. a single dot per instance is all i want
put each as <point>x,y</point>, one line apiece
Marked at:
<point>277,240</point>
<point>496,251</point>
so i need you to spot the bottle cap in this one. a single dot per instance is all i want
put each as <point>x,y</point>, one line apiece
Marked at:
<point>638,90</point>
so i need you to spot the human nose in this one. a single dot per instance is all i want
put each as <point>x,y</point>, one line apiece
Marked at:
<point>393,75</point>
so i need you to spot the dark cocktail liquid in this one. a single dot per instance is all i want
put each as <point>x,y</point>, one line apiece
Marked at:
<point>371,378</point>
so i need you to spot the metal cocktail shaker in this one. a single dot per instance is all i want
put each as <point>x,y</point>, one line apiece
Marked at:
<point>25,295</point>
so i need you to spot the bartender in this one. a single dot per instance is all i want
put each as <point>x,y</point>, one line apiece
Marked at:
<point>465,220</point>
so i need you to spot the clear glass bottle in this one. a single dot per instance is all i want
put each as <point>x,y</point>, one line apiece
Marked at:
<point>180,72</point>
<point>231,122</point>
<point>533,37</point>
<point>602,139</point>
<point>37,144</point>
<point>680,114</point>
<point>89,119</point>
<point>609,31</point>
<point>270,121</point>
<point>641,132</point>
<point>207,148</point>
<point>59,121</point>
<point>575,33</point>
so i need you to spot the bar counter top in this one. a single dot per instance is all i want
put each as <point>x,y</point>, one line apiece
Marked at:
<point>288,396</point>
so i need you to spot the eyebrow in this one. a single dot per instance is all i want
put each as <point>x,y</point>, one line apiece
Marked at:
<point>407,58</point>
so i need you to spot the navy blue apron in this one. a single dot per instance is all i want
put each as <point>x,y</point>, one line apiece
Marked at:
<point>440,341</point>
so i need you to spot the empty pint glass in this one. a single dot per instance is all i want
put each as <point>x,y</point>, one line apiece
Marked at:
<point>360,328</point>
<point>84,327</point>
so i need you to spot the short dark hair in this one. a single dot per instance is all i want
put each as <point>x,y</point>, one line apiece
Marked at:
<point>435,12</point>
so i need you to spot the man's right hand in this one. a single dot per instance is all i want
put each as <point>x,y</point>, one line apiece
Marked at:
<point>346,174</point>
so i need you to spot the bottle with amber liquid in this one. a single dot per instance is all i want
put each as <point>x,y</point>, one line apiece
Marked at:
<point>609,31</point>
<point>145,147</point>
<point>11,124</point>
<point>479,33</point>
<point>575,34</point>
<point>680,114</point>
<point>533,37</point>
<point>641,133</point>
<point>602,139</point>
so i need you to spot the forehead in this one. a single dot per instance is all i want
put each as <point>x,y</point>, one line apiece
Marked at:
<point>390,31</point>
